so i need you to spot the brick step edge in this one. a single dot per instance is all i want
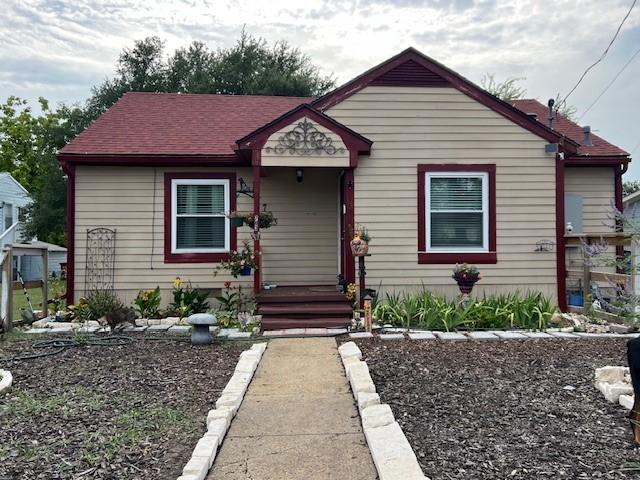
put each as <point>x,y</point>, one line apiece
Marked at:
<point>219,419</point>
<point>392,454</point>
<point>284,322</point>
<point>305,309</point>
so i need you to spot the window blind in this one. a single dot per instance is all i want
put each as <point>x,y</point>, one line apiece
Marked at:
<point>456,212</point>
<point>200,222</point>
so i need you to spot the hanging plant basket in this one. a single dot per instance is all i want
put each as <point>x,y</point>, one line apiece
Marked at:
<point>245,272</point>
<point>236,221</point>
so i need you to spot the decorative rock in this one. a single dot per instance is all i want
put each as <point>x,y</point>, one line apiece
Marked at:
<point>564,335</point>
<point>611,374</point>
<point>6,379</point>
<point>482,336</point>
<point>259,347</point>
<point>217,427</point>
<point>135,329</point>
<point>360,379</point>
<point>377,416</point>
<point>39,330</point>
<point>179,329</point>
<point>391,336</point>
<point>348,361</point>
<point>509,335</point>
<point>421,336</point>
<point>236,388</point>
<point>626,401</point>
<point>366,399</point>
<point>451,336</point>
<point>224,413</point>
<point>207,447</point>
<point>158,328</point>
<point>232,400</point>
<point>361,335</point>
<point>350,349</point>
<point>612,391</point>
<point>392,455</point>
<point>537,335</point>
<point>239,335</point>
<point>198,467</point>
<point>247,364</point>
<point>224,332</point>
<point>616,328</point>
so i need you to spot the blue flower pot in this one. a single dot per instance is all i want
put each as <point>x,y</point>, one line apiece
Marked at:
<point>245,272</point>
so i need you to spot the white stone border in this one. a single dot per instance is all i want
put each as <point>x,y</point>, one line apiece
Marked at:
<point>219,419</point>
<point>6,379</point>
<point>391,452</point>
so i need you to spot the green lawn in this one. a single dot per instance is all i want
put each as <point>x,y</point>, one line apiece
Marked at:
<point>35,294</point>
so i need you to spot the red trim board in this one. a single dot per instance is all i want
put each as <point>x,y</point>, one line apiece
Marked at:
<point>195,257</point>
<point>424,257</point>
<point>70,170</point>
<point>561,261</point>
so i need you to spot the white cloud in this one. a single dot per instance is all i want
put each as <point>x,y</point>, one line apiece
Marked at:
<point>59,49</point>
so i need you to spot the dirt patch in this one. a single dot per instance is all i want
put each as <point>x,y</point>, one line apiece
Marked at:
<point>123,412</point>
<point>517,410</point>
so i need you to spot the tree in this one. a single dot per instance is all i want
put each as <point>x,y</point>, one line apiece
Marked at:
<point>630,186</point>
<point>506,90</point>
<point>250,67</point>
<point>28,147</point>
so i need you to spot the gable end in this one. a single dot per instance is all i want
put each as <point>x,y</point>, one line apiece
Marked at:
<point>410,74</point>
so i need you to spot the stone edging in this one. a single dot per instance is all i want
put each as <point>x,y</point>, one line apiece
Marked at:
<point>391,452</point>
<point>6,379</point>
<point>615,385</point>
<point>219,419</point>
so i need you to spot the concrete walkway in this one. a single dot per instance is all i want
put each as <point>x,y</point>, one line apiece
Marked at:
<point>297,421</point>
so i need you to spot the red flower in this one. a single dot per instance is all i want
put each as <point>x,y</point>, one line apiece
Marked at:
<point>227,284</point>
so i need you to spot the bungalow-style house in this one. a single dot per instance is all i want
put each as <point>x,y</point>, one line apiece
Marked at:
<point>13,199</point>
<point>437,169</point>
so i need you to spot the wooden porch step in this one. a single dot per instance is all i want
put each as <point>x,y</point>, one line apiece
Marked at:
<point>306,309</point>
<point>283,322</point>
<point>301,298</point>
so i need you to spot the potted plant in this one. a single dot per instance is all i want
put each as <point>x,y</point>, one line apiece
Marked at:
<point>360,242</point>
<point>466,277</point>
<point>266,219</point>
<point>236,219</point>
<point>240,262</point>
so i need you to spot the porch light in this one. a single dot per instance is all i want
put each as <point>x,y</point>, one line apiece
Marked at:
<point>299,174</point>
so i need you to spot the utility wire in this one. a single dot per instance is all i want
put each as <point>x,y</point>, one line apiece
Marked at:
<point>604,54</point>
<point>635,148</point>
<point>610,84</point>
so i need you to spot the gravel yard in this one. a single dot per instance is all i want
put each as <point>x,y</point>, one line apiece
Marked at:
<point>118,412</point>
<point>509,409</point>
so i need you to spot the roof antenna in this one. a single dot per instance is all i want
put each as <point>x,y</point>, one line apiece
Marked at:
<point>550,103</point>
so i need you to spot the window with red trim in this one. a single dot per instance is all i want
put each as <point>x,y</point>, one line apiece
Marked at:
<point>196,227</point>
<point>457,213</point>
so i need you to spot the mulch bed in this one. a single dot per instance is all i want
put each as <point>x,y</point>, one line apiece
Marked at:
<point>124,412</point>
<point>499,410</point>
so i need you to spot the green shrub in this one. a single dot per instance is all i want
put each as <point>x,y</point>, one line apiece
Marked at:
<point>426,310</point>
<point>101,303</point>
<point>187,300</point>
<point>148,303</point>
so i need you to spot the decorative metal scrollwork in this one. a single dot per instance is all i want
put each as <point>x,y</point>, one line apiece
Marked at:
<point>101,248</point>
<point>305,139</point>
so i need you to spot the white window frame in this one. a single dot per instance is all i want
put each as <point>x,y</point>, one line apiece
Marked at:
<point>484,176</point>
<point>174,214</point>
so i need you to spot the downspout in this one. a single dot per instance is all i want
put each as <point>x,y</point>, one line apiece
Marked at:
<point>70,170</point>
<point>561,261</point>
<point>618,171</point>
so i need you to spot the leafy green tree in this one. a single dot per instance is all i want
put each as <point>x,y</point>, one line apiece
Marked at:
<point>630,186</point>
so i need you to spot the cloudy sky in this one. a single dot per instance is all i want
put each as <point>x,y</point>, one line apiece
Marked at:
<point>59,49</point>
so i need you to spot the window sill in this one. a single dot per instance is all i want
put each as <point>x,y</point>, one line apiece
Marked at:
<point>462,257</point>
<point>196,257</point>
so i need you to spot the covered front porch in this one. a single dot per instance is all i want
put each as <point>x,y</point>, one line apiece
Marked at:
<point>303,171</point>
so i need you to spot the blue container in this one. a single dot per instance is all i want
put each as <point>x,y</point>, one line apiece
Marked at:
<point>245,272</point>
<point>575,299</point>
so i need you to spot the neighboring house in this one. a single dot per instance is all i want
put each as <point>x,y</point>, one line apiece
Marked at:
<point>13,199</point>
<point>31,266</point>
<point>631,205</point>
<point>438,170</point>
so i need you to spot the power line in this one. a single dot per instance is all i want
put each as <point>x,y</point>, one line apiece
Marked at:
<point>604,54</point>
<point>610,83</point>
<point>635,148</point>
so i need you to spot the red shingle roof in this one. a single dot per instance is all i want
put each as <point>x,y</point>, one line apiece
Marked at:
<point>184,124</point>
<point>570,129</point>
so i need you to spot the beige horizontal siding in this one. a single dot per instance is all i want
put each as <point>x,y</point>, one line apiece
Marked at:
<point>596,186</point>
<point>131,201</point>
<point>411,126</point>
